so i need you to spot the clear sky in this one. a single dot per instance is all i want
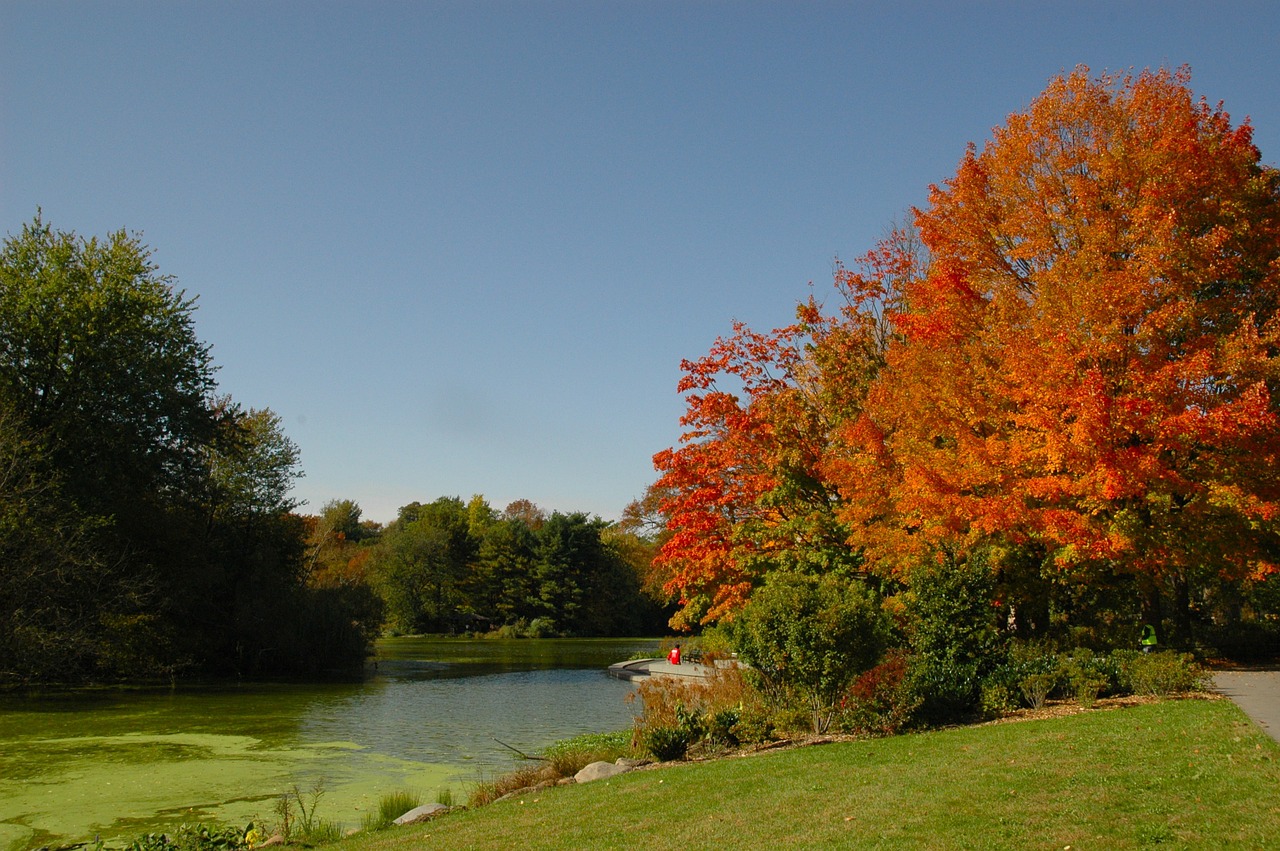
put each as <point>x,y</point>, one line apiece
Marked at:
<point>462,247</point>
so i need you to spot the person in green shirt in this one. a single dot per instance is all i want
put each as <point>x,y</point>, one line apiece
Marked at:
<point>1148,639</point>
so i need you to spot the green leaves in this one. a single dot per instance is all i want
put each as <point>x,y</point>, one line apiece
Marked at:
<point>814,636</point>
<point>98,353</point>
<point>164,538</point>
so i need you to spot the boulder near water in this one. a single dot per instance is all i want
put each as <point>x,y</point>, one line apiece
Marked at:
<point>421,813</point>
<point>600,771</point>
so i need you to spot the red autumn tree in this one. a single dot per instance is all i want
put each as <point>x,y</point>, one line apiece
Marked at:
<point>749,491</point>
<point>1091,362</point>
<point>713,483</point>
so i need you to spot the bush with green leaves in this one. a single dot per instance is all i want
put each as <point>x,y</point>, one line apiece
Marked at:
<point>810,637</point>
<point>1037,671</point>
<point>667,743</point>
<point>672,742</point>
<point>1088,675</point>
<point>1033,672</point>
<point>1159,674</point>
<point>952,632</point>
<point>721,727</point>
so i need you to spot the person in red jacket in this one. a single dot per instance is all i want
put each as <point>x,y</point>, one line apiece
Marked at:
<point>674,656</point>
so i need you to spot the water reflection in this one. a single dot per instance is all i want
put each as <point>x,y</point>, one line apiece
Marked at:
<point>445,720</point>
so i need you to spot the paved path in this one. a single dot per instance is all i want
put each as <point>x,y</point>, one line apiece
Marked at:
<point>1257,693</point>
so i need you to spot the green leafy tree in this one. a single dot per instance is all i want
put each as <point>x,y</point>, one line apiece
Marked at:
<point>99,356</point>
<point>480,515</point>
<point>568,546</point>
<point>502,582</point>
<point>158,516</point>
<point>59,599</point>
<point>648,606</point>
<point>255,549</point>
<point>253,464</point>
<point>330,538</point>
<point>101,368</point>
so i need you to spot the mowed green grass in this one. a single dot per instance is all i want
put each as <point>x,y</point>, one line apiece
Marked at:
<point>1179,774</point>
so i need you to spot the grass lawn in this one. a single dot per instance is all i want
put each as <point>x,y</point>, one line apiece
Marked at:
<point>1185,774</point>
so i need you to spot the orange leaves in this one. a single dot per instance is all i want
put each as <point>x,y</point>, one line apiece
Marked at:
<point>1078,345</point>
<point>1113,239</point>
<point>744,493</point>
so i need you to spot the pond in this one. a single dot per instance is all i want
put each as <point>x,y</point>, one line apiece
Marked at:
<point>432,714</point>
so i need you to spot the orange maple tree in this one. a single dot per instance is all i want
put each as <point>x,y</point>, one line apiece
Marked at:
<point>713,482</point>
<point>1079,355</point>
<point>1092,361</point>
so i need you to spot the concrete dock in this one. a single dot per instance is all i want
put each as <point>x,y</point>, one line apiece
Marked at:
<point>638,669</point>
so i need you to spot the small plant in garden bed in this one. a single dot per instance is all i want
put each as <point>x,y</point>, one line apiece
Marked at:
<point>671,742</point>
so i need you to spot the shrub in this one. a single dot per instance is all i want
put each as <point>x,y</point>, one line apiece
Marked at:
<point>755,724</point>
<point>1087,676</point>
<point>1160,674</point>
<point>1036,688</point>
<point>881,701</point>
<point>542,628</point>
<point>667,743</point>
<point>1034,672</point>
<point>662,697</point>
<point>1030,673</point>
<point>715,643</point>
<point>1038,671</point>
<point>729,709</point>
<point>812,637</point>
<point>721,727</point>
<point>997,698</point>
<point>951,623</point>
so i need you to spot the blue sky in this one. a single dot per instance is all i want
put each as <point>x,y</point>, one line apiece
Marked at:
<point>462,247</point>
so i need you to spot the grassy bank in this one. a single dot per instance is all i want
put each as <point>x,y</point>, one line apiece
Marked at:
<point>1193,773</point>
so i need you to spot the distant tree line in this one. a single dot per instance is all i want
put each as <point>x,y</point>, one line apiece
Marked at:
<point>450,567</point>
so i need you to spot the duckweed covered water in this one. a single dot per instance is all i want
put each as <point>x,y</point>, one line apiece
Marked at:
<point>433,714</point>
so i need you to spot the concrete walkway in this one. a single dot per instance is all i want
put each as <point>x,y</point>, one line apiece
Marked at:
<point>1257,692</point>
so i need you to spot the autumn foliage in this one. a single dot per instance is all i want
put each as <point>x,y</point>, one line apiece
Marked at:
<point>1070,354</point>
